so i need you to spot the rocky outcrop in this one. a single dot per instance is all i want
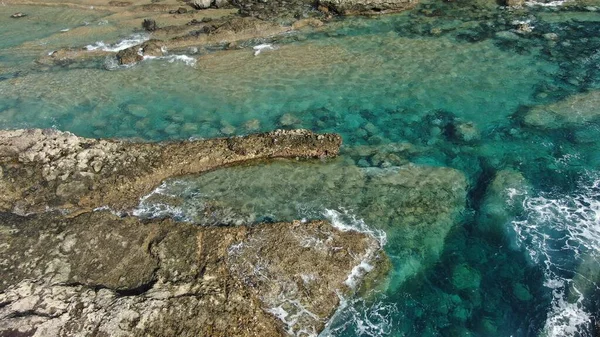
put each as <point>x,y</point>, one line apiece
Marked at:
<point>150,48</point>
<point>97,274</point>
<point>49,169</point>
<point>100,274</point>
<point>353,7</point>
<point>576,110</point>
<point>416,206</point>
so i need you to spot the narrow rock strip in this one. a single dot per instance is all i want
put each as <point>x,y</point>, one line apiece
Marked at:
<point>49,169</point>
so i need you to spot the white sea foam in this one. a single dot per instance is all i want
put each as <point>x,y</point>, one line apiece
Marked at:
<point>263,47</point>
<point>150,210</point>
<point>547,4</point>
<point>187,60</point>
<point>361,317</point>
<point>345,221</point>
<point>568,225</point>
<point>131,41</point>
<point>357,273</point>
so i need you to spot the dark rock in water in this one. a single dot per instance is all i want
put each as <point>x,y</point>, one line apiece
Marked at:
<point>129,55</point>
<point>97,274</point>
<point>18,15</point>
<point>152,48</point>
<point>45,169</point>
<point>149,25</point>
<point>136,53</point>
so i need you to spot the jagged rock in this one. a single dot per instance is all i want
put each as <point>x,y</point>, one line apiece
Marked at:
<point>352,7</point>
<point>152,48</point>
<point>129,55</point>
<point>98,274</point>
<point>35,163</point>
<point>149,25</point>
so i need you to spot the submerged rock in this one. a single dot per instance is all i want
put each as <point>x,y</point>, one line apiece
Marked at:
<point>98,274</point>
<point>503,201</point>
<point>42,167</point>
<point>574,110</point>
<point>416,206</point>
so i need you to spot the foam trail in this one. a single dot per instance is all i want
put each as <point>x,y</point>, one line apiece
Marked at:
<point>188,60</point>
<point>131,41</point>
<point>262,47</point>
<point>557,3</point>
<point>553,228</point>
<point>345,221</point>
<point>362,318</point>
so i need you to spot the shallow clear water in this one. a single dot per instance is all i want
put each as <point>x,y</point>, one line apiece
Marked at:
<point>492,230</point>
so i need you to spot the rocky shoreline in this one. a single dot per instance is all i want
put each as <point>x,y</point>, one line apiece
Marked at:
<point>176,26</point>
<point>49,169</point>
<point>80,271</point>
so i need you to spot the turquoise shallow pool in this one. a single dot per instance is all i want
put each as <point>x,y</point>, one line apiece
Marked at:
<point>493,228</point>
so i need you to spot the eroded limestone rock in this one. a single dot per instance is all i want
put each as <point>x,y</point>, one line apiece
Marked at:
<point>45,169</point>
<point>97,274</point>
<point>576,110</point>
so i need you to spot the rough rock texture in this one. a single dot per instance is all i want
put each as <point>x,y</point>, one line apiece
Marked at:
<point>153,48</point>
<point>353,7</point>
<point>576,110</point>
<point>415,205</point>
<point>97,274</point>
<point>48,169</point>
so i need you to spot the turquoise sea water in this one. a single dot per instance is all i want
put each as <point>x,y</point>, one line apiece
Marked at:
<point>510,250</point>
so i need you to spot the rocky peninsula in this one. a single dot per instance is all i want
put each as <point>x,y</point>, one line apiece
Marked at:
<point>50,169</point>
<point>70,270</point>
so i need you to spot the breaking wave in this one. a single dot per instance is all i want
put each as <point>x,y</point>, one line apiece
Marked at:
<point>562,234</point>
<point>131,41</point>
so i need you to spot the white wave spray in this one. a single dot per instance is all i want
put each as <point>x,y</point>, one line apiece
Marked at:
<point>369,315</point>
<point>131,41</point>
<point>561,233</point>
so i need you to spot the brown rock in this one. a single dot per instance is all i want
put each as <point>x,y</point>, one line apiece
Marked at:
<point>101,275</point>
<point>35,163</point>
<point>129,56</point>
